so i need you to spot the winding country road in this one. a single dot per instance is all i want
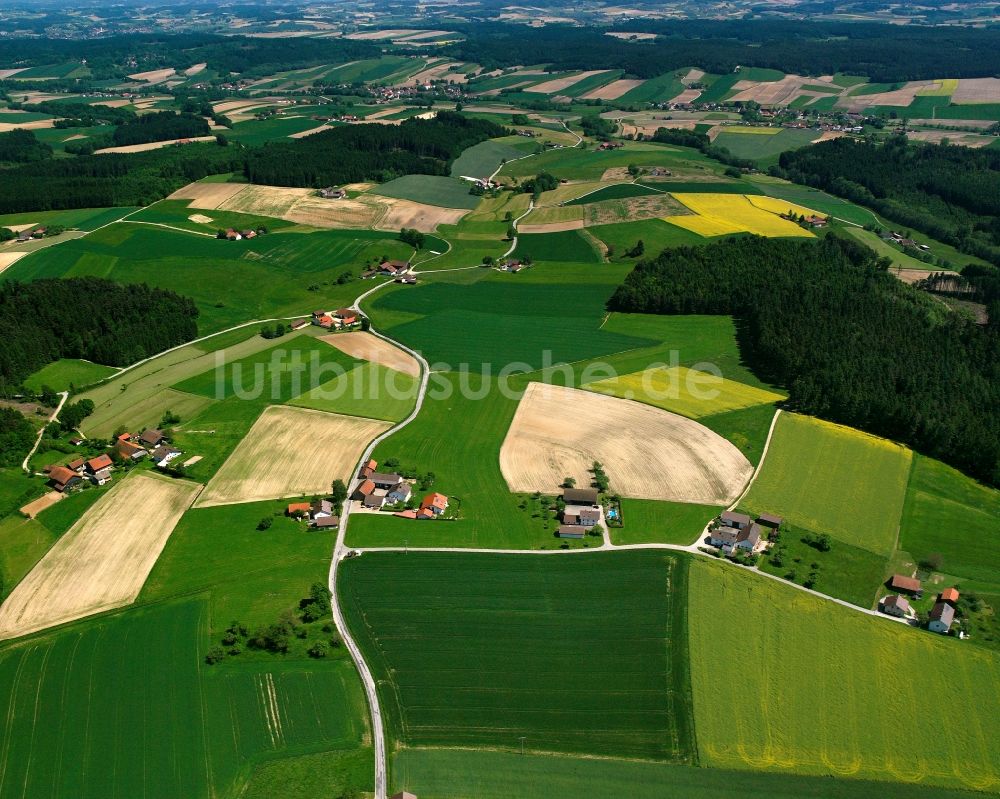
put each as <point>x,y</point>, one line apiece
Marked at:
<point>63,395</point>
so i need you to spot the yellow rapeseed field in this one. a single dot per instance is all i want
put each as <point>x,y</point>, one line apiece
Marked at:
<point>778,206</point>
<point>943,88</point>
<point>720,214</point>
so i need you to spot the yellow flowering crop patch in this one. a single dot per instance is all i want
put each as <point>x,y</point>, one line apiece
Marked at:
<point>720,214</point>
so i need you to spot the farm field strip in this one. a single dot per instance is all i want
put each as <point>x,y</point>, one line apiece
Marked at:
<point>720,214</point>
<point>832,479</point>
<point>104,559</point>
<point>289,452</point>
<point>822,700</point>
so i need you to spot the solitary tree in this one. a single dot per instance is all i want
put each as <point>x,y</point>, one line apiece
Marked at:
<point>338,492</point>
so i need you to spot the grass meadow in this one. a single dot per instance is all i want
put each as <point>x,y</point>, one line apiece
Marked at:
<point>764,148</point>
<point>563,245</point>
<point>829,687</point>
<point>471,774</point>
<point>954,516</point>
<point>581,654</point>
<point>60,375</point>
<point>481,160</point>
<point>430,189</point>
<point>648,521</point>
<point>656,235</point>
<point>579,164</point>
<point>831,479</point>
<point>280,274</point>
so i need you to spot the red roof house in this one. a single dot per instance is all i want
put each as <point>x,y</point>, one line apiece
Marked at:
<point>98,463</point>
<point>435,503</point>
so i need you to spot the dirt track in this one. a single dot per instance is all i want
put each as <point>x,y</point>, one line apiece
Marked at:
<point>647,453</point>
<point>104,559</point>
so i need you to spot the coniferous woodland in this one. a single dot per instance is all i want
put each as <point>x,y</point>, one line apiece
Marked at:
<point>847,340</point>
<point>950,193</point>
<point>87,317</point>
<point>369,152</point>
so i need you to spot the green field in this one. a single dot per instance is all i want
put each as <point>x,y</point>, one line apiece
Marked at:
<point>832,479</point>
<point>655,90</point>
<point>280,274</point>
<point>746,429</point>
<point>764,148</point>
<point>60,375</point>
<point>430,189</point>
<point>366,390</point>
<point>813,198</point>
<point>255,132</point>
<point>176,212</point>
<point>655,234</point>
<point>571,653</point>
<point>80,218</point>
<point>575,163</point>
<point>500,319</point>
<point>954,516</point>
<point>647,521</point>
<point>565,245</point>
<point>826,688</point>
<point>470,774</point>
<point>481,160</point>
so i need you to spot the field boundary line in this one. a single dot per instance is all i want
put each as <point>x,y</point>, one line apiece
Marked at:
<point>760,463</point>
<point>168,227</point>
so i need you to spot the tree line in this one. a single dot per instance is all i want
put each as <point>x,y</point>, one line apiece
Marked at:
<point>21,147</point>
<point>352,153</point>
<point>86,317</point>
<point>881,52</point>
<point>848,341</point>
<point>950,193</point>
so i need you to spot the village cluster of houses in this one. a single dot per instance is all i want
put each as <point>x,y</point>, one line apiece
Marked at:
<point>737,531</point>
<point>582,512</point>
<point>942,615</point>
<point>378,489</point>
<point>341,318</point>
<point>151,443</point>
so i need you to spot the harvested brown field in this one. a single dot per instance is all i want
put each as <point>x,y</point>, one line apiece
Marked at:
<point>549,214</point>
<point>37,124</point>
<point>153,145</point>
<point>827,135</point>
<point>290,452</point>
<point>369,347</point>
<point>391,33</point>
<point>194,70</point>
<point>977,90</point>
<point>9,73</point>
<point>613,90</point>
<point>951,136</point>
<point>911,276</point>
<point>32,509</point>
<point>557,85</point>
<point>119,103</point>
<point>303,133</point>
<point>552,227</point>
<point>8,259</point>
<point>687,96</point>
<point>104,559</point>
<point>207,196</point>
<point>438,72</point>
<point>632,209</point>
<point>647,452</point>
<point>201,219</point>
<point>779,92</point>
<point>154,75</point>
<point>900,97</point>
<point>425,218</point>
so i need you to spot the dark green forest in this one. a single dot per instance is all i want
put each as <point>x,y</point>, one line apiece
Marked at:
<point>112,179</point>
<point>369,152</point>
<point>950,193</point>
<point>881,52</point>
<point>16,436</point>
<point>86,317</point>
<point>115,56</point>
<point>847,340</point>
<point>160,127</point>
<point>21,147</point>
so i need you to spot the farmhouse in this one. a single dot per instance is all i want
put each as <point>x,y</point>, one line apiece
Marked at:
<point>906,585</point>
<point>76,465</point>
<point>298,324</point>
<point>326,522</point>
<point>369,495</point>
<point>770,521</point>
<point>393,268</point>
<point>61,478</point>
<point>368,469</point>
<point>941,617</point>
<point>162,455</point>
<point>735,520</point>
<point>129,451</point>
<point>345,316</point>
<point>512,265</point>
<point>401,492</point>
<point>896,605</point>
<point>580,496</point>
<point>98,464</point>
<point>434,503</point>
<point>950,595</point>
<point>333,193</point>
<point>407,280</point>
<point>385,480</point>
<point>320,509</point>
<point>583,516</point>
<point>152,438</point>
<point>322,319</point>
<point>571,531</point>
<point>232,235</point>
<point>298,509</point>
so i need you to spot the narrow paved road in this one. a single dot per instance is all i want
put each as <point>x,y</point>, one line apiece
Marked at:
<point>63,396</point>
